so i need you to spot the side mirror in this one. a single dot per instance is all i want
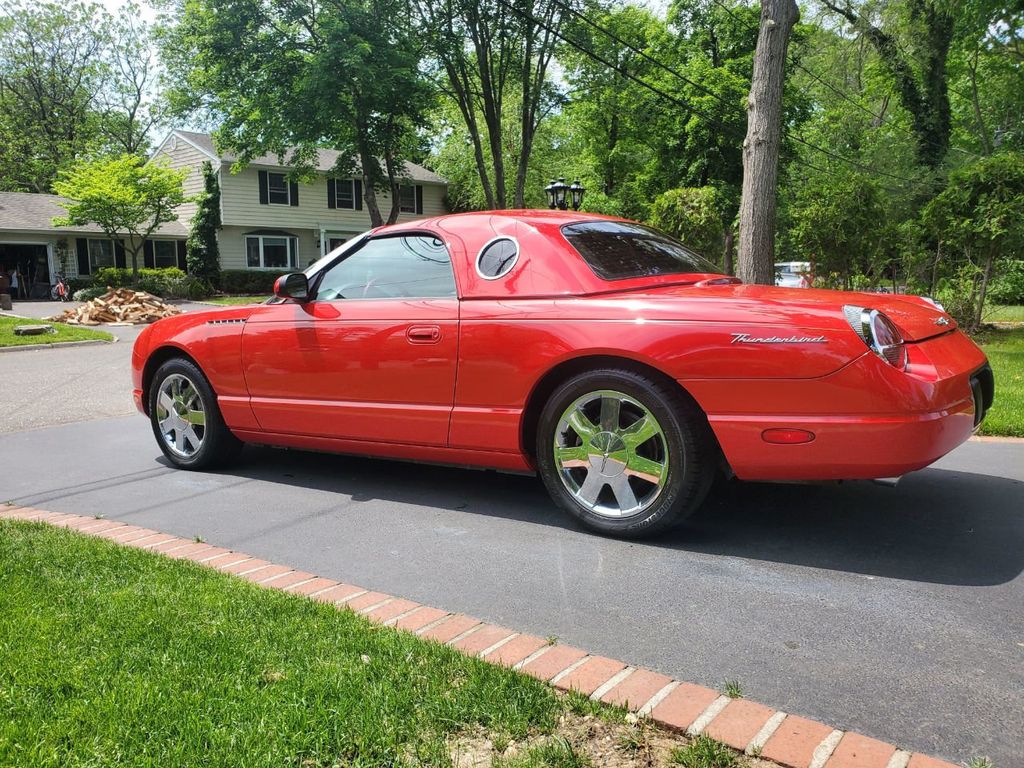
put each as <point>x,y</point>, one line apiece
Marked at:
<point>293,286</point>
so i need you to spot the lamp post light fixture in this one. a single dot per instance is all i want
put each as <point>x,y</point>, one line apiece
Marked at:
<point>563,196</point>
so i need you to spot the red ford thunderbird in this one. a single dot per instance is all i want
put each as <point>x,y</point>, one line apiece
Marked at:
<point>604,355</point>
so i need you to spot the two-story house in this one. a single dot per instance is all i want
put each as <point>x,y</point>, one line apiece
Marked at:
<point>270,222</point>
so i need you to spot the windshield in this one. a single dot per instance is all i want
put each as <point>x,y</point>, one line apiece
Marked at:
<point>617,250</point>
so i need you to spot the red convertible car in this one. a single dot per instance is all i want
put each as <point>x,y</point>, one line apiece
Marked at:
<point>600,353</point>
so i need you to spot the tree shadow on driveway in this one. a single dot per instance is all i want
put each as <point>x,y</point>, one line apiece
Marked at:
<point>938,526</point>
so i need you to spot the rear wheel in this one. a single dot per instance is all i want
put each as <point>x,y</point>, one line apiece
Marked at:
<point>624,454</point>
<point>186,420</point>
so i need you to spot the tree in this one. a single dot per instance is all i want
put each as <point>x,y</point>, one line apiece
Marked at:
<point>487,49</point>
<point>124,196</point>
<point>289,79</point>
<point>838,222</point>
<point>202,252</point>
<point>920,75</point>
<point>761,146</point>
<point>129,109</point>
<point>52,71</point>
<point>981,213</point>
<point>692,214</point>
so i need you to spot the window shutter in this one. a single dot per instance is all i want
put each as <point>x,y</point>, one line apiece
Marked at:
<point>82,250</point>
<point>419,198</point>
<point>332,201</point>
<point>293,194</point>
<point>357,185</point>
<point>264,189</point>
<point>182,263</point>
<point>119,258</point>
<point>148,260</point>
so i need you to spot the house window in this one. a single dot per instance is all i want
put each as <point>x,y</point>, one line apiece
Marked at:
<point>407,199</point>
<point>277,189</point>
<point>345,194</point>
<point>165,253</point>
<point>271,251</point>
<point>101,254</point>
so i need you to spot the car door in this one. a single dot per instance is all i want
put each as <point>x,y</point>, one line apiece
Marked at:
<point>372,357</point>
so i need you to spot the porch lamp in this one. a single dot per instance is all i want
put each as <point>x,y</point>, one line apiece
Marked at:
<point>576,195</point>
<point>556,193</point>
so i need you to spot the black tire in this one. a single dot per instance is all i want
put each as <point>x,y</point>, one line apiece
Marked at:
<point>218,445</point>
<point>685,447</point>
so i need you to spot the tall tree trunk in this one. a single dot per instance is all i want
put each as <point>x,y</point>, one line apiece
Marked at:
<point>986,276</point>
<point>369,193</point>
<point>730,245</point>
<point>395,187</point>
<point>756,263</point>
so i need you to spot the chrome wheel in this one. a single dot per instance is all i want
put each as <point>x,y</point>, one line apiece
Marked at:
<point>611,454</point>
<point>181,416</point>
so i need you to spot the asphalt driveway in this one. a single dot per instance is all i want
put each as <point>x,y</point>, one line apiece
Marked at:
<point>895,612</point>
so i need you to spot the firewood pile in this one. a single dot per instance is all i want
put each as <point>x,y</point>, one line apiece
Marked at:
<point>118,305</point>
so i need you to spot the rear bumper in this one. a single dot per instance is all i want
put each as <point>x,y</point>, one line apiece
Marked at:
<point>844,447</point>
<point>868,420</point>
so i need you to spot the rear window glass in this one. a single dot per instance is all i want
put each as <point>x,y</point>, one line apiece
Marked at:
<point>617,250</point>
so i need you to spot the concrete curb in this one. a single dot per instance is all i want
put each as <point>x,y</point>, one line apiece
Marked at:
<point>744,725</point>
<point>59,344</point>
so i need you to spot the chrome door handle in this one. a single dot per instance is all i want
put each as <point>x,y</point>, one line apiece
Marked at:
<point>423,334</point>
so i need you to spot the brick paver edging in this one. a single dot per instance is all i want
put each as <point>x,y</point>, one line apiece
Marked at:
<point>744,725</point>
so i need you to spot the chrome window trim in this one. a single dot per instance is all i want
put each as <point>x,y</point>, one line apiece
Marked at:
<point>515,260</point>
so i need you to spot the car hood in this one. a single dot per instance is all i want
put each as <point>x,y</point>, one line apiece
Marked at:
<point>916,318</point>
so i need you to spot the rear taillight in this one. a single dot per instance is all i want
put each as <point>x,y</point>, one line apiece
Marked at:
<point>879,333</point>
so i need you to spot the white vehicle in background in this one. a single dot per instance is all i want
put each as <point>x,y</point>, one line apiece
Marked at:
<point>793,274</point>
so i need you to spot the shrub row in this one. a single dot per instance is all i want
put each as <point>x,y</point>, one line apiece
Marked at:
<point>169,283</point>
<point>248,281</point>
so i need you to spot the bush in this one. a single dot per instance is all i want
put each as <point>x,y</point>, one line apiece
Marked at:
<point>248,282</point>
<point>188,287</point>
<point>166,282</point>
<point>88,294</point>
<point>1008,288</point>
<point>957,294</point>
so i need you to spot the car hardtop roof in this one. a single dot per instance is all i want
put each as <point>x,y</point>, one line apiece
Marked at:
<point>533,217</point>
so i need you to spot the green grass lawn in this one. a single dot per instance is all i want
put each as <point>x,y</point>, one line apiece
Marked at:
<point>230,301</point>
<point>1005,350</point>
<point>110,656</point>
<point>64,333</point>
<point>1005,314</point>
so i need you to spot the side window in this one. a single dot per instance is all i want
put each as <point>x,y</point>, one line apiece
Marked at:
<point>413,266</point>
<point>497,258</point>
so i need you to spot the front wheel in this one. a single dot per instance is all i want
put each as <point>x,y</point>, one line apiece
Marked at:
<point>624,454</point>
<point>186,420</point>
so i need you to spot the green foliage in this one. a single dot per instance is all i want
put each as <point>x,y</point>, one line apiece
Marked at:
<point>123,196</point>
<point>248,282</point>
<point>88,294</point>
<point>958,292</point>
<point>117,656</point>
<point>705,752</point>
<point>168,282</point>
<point>1008,288</point>
<point>694,216</point>
<point>288,79</point>
<point>838,223</point>
<point>202,252</point>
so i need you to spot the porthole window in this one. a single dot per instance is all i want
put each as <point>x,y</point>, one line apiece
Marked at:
<point>497,258</point>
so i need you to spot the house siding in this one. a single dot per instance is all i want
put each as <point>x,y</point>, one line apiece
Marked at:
<point>240,205</point>
<point>184,155</point>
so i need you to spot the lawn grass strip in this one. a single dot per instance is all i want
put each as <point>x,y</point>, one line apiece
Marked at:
<point>824,750</point>
<point>761,737</point>
<point>219,559</point>
<point>704,718</point>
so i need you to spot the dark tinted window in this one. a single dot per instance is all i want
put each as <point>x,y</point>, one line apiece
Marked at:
<point>497,258</point>
<point>618,249</point>
<point>414,266</point>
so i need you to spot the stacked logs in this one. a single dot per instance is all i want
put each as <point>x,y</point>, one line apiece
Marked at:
<point>118,305</point>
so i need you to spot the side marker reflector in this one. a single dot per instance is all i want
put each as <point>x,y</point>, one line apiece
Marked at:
<point>787,436</point>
